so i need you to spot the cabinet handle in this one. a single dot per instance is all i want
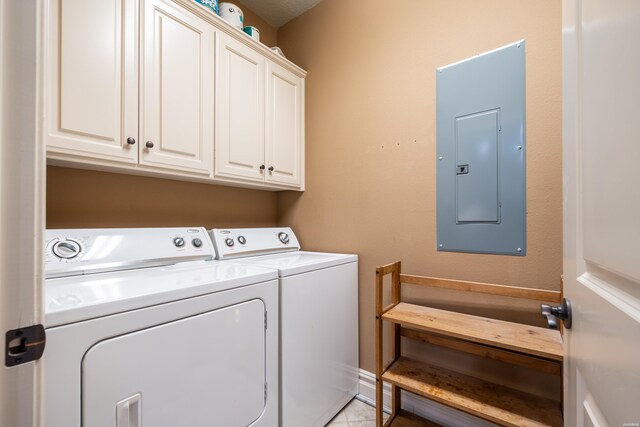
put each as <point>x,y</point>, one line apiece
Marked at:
<point>131,141</point>
<point>149,144</point>
<point>261,167</point>
<point>270,168</point>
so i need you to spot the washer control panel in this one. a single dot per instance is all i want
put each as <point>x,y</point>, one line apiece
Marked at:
<point>85,251</point>
<point>244,242</point>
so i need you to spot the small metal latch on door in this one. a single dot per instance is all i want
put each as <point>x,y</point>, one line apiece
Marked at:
<point>24,345</point>
<point>462,169</point>
<point>553,313</point>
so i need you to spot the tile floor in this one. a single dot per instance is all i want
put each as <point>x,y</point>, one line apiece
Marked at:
<point>356,414</point>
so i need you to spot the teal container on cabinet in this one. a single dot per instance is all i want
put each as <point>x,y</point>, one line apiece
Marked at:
<point>211,4</point>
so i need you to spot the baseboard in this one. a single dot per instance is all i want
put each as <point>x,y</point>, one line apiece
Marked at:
<point>367,391</point>
<point>425,408</point>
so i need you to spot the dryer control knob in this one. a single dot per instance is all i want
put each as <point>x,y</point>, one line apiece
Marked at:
<point>242,240</point>
<point>284,237</point>
<point>229,242</point>
<point>197,242</point>
<point>66,249</point>
<point>179,242</point>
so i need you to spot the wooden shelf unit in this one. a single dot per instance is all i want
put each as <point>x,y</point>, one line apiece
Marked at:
<point>524,345</point>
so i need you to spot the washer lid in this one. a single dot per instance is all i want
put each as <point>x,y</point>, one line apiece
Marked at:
<point>298,262</point>
<point>78,298</point>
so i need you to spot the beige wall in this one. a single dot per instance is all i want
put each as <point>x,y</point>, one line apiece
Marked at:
<point>370,135</point>
<point>80,198</point>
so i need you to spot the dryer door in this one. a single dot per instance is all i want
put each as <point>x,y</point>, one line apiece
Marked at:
<point>207,369</point>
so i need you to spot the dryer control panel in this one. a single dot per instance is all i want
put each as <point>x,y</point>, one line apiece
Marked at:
<point>244,242</point>
<point>70,252</point>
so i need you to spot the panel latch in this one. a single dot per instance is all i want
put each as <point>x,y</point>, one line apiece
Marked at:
<point>24,345</point>
<point>462,169</point>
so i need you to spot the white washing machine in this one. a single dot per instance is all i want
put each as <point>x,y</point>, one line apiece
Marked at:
<point>318,320</point>
<point>144,329</point>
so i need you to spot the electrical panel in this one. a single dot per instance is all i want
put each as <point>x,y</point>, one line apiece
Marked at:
<point>481,175</point>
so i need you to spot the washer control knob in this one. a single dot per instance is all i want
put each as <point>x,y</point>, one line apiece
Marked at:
<point>66,249</point>
<point>242,240</point>
<point>229,241</point>
<point>284,237</point>
<point>179,242</point>
<point>196,242</point>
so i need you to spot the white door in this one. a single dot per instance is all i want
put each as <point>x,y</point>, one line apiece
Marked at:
<point>207,369</point>
<point>22,169</point>
<point>177,89</point>
<point>284,132</point>
<point>92,79</point>
<point>602,211</point>
<point>240,111</point>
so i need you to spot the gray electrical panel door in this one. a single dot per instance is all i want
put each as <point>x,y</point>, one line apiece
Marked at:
<point>481,187</point>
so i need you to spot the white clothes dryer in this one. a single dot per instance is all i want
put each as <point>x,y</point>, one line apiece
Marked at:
<point>144,328</point>
<point>318,320</point>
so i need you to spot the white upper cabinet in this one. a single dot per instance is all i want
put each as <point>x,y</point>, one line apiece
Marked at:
<point>284,149</point>
<point>92,79</point>
<point>167,88</point>
<point>240,111</point>
<point>177,92</point>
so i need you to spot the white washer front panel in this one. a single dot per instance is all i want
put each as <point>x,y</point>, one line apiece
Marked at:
<point>207,369</point>
<point>318,344</point>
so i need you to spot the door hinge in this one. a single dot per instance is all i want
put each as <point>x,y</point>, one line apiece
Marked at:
<point>265,320</point>
<point>24,345</point>
<point>265,391</point>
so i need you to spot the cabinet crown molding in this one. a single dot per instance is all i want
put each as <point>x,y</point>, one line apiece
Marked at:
<point>222,25</point>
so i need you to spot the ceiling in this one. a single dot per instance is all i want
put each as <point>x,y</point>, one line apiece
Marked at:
<point>279,12</point>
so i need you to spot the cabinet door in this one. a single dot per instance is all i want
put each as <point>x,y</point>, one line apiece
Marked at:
<point>240,111</point>
<point>284,146</point>
<point>93,79</point>
<point>177,89</point>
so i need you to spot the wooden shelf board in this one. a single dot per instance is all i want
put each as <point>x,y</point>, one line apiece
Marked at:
<point>553,367</point>
<point>407,419</point>
<point>533,340</point>
<point>492,402</point>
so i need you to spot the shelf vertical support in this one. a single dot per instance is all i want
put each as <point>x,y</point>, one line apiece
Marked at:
<point>394,270</point>
<point>395,299</point>
<point>379,359</point>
